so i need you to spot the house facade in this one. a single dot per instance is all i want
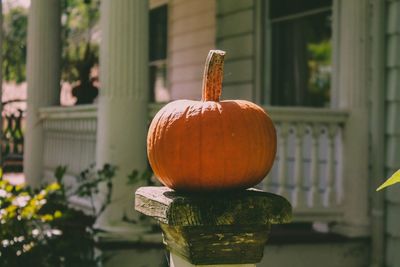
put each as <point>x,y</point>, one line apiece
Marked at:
<point>326,71</point>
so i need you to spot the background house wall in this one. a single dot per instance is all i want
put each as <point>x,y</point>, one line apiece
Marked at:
<point>236,35</point>
<point>392,131</point>
<point>191,34</point>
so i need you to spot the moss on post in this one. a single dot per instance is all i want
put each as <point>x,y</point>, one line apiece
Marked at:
<point>228,228</point>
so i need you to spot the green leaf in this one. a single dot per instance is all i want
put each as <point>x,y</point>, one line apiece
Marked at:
<point>395,178</point>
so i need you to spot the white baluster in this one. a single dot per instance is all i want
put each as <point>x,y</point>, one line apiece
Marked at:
<point>330,191</point>
<point>299,194</point>
<point>313,193</point>
<point>282,167</point>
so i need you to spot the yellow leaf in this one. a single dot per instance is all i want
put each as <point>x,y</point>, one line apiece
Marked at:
<point>395,178</point>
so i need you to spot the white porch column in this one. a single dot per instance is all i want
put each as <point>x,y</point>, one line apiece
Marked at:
<point>122,107</point>
<point>43,76</point>
<point>353,96</point>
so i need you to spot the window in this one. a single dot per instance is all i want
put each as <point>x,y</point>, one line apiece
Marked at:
<point>301,49</point>
<point>158,54</point>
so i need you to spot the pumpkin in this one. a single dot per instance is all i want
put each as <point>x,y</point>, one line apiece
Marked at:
<point>211,145</point>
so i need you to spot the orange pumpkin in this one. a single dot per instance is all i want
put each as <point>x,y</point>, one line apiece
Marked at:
<point>211,145</point>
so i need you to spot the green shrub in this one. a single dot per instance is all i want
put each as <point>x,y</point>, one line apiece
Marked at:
<point>39,227</point>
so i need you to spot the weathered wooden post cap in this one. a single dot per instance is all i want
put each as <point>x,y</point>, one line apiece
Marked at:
<point>217,228</point>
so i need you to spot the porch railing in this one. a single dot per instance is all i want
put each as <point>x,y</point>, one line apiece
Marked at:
<point>70,137</point>
<point>12,141</point>
<point>307,169</point>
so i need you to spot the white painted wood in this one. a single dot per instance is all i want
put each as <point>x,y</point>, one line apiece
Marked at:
<point>238,91</point>
<point>231,6</point>
<point>238,71</point>
<point>330,196</point>
<point>314,199</point>
<point>299,194</point>
<point>43,76</point>
<point>191,27</point>
<point>70,137</point>
<point>236,23</point>
<point>188,8</point>
<point>235,51</point>
<point>236,34</point>
<point>157,3</point>
<point>122,105</point>
<point>392,130</point>
<point>283,131</point>
<point>177,261</point>
<point>353,95</point>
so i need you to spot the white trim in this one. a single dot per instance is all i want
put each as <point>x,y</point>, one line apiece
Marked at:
<point>258,50</point>
<point>267,57</point>
<point>334,94</point>
<point>157,3</point>
<point>75,112</point>
<point>301,14</point>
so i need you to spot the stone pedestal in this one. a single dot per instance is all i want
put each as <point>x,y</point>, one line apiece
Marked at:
<point>218,229</point>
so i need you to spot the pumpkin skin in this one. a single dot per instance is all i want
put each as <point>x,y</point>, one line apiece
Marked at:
<point>211,145</point>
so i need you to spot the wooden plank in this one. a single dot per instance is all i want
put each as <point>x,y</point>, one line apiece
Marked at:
<point>393,192</point>
<point>235,24</point>
<point>393,50</point>
<point>392,117</point>
<point>195,39</point>
<point>238,71</point>
<point>392,153</point>
<point>190,7</point>
<point>186,90</point>
<point>393,17</point>
<point>187,73</point>
<point>392,252</point>
<point>238,91</point>
<point>240,208</point>
<point>237,46</point>
<point>230,6</point>
<point>393,219</point>
<point>194,56</point>
<point>393,84</point>
<point>200,20</point>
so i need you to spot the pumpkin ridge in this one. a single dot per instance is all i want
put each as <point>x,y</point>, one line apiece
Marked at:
<point>221,119</point>
<point>165,175</point>
<point>200,182</point>
<point>246,126</point>
<point>156,136</point>
<point>263,132</point>
<point>185,118</point>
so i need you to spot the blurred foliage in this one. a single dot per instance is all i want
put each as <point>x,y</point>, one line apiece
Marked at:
<point>320,71</point>
<point>15,27</point>
<point>40,228</point>
<point>79,52</point>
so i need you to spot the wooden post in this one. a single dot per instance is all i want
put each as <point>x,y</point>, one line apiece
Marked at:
<point>214,229</point>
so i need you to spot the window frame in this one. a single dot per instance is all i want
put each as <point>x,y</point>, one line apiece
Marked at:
<point>264,48</point>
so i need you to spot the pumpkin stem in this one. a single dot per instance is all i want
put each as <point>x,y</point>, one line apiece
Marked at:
<point>213,76</point>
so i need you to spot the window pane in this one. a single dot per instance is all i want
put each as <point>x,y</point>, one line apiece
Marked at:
<point>158,54</point>
<point>158,33</point>
<point>301,60</point>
